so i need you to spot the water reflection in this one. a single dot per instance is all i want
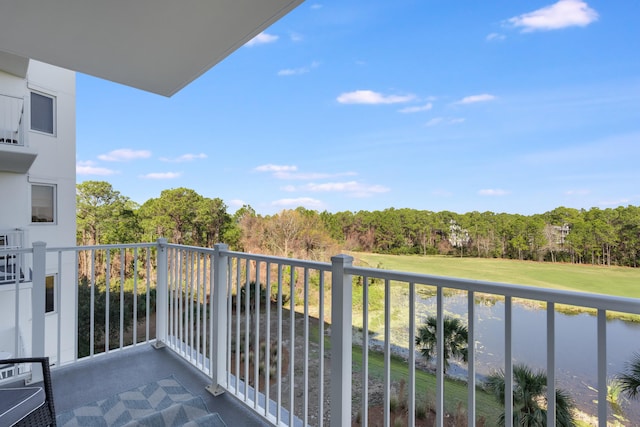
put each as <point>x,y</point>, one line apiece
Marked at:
<point>576,346</point>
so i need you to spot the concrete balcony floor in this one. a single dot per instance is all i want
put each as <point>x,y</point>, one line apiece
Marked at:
<point>99,378</point>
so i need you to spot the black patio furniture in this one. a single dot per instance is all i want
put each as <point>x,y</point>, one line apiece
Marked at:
<point>29,405</point>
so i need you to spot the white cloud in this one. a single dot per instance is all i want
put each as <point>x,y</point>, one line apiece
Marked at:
<point>620,202</point>
<point>416,109</point>
<point>236,203</point>
<point>297,71</point>
<point>353,188</point>
<point>476,98</point>
<point>564,13</point>
<point>316,6</point>
<point>276,168</point>
<point>442,193</point>
<point>308,176</point>
<point>346,187</point>
<point>307,202</point>
<point>296,37</point>
<point>444,121</point>
<point>493,192</point>
<point>291,172</point>
<point>262,38</point>
<point>577,192</point>
<point>89,168</point>
<point>371,97</point>
<point>184,158</point>
<point>124,155</point>
<point>161,175</point>
<point>495,37</point>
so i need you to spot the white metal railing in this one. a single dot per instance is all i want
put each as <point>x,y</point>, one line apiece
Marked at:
<point>12,260</point>
<point>256,325</point>
<point>11,120</point>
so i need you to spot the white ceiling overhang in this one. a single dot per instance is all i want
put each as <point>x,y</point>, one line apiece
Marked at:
<point>158,46</point>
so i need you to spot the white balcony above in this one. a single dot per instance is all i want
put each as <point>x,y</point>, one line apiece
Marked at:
<point>156,45</point>
<point>16,159</point>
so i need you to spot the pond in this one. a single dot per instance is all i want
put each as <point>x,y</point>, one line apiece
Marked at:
<point>576,347</point>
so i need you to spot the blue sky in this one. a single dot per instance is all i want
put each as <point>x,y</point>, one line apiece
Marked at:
<point>503,106</point>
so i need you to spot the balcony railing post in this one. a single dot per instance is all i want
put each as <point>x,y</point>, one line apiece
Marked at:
<point>38,298</point>
<point>162,294</point>
<point>341,339</point>
<point>218,320</point>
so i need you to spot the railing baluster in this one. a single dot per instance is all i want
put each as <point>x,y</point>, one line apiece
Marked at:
<point>238,320</point>
<point>247,328</point>
<point>508,363</point>
<point>107,301</point>
<point>551,364</point>
<point>206,296</point>
<point>92,317</point>
<point>364,406</point>
<point>135,295</point>
<point>387,353</point>
<point>57,301</point>
<point>148,295</point>
<point>229,312</point>
<point>411,398</point>
<point>188,277</point>
<point>602,368</point>
<point>121,297</point>
<point>198,305</point>
<point>305,406</point>
<point>267,333</point>
<point>75,317</point>
<point>256,338</point>
<point>471,360</point>
<point>292,341</point>
<point>279,364</point>
<point>439,358</point>
<point>321,350</point>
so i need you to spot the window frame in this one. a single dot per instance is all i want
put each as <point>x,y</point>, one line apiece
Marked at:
<point>53,295</point>
<point>54,206</point>
<point>54,116</point>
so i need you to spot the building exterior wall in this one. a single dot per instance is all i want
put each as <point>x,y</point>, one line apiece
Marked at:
<point>54,167</point>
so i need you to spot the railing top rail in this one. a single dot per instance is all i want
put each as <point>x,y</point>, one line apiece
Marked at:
<point>190,248</point>
<point>584,299</point>
<point>14,250</point>
<point>316,265</point>
<point>101,247</point>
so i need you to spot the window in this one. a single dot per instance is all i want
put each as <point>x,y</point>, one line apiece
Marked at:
<point>50,294</point>
<point>43,204</point>
<point>42,113</point>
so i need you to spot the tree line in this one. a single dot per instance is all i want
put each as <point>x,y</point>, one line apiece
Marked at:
<point>594,236</point>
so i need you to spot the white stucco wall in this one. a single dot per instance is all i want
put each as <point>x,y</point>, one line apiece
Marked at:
<point>54,165</point>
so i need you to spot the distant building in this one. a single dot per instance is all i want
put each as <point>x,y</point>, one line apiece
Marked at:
<point>458,236</point>
<point>561,232</point>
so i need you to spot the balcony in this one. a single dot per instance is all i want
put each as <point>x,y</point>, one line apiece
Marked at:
<point>278,341</point>
<point>12,259</point>
<point>14,155</point>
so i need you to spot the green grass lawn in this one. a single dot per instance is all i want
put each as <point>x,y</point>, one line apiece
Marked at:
<point>487,406</point>
<point>618,281</point>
